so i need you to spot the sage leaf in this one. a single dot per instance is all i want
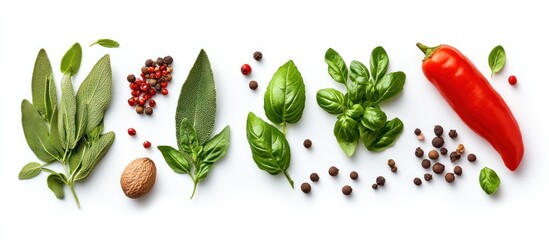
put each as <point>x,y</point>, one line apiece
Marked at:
<point>387,135</point>
<point>379,63</point>
<point>44,95</point>
<point>336,66</point>
<point>175,159</point>
<point>197,100</point>
<point>36,131</point>
<point>359,72</point>
<point>54,139</point>
<point>55,184</point>
<point>108,43</point>
<point>67,113</point>
<point>95,92</point>
<point>284,99</point>
<point>270,149</point>
<point>94,154</point>
<point>216,147</point>
<point>30,170</point>
<point>75,160</point>
<point>489,180</point>
<point>331,100</point>
<point>389,86</point>
<point>373,118</point>
<point>70,63</point>
<point>187,136</point>
<point>347,134</point>
<point>496,59</point>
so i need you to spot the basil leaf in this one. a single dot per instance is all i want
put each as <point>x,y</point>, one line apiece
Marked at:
<point>389,86</point>
<point>357,92</point>
<point>70,63</point>
<point>216,147</point>
<point>379,63</point>
<point>187,136</point>
<point>67,113</point>
<point>203,170</point>
<point>331,100</point>
<point>367,136</point>
<point>175,159</point>
<point>284,99</point>
<point>373,118</point>
<point>387,135</point>
<point>489,180</point>
<point>108,43</point>
<point>270,149</point>
<point>36,133</point>
<point>355,112</point>
<point>336,66</point>
<point>197,100</point>
<point>30,170</point>
<point>359,72</point>
<point>95,92</point>
<point>56,183</point>
<point>94,154</point>
<point>347,134</point>
<point>496,59</point>
<point>44,95</point>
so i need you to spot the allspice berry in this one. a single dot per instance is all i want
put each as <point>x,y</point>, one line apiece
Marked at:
<point>454,156</point>
<point>149,63</point>
<point>333,171</point>
<point>307,143</point>
<point>419,152</point>
<point>139,110</point>
<point>391,163</point>
<point>427,177</point>
<point>380,181</point>
<point>417,131</point>
<point>258,55</point>
<point>417,181</point>
<point>452,134</point>
<point>426,163</point>
<point>458,170</point>
<point>443,151</point>
<point>437,142</point>
<point>353,175</point>
<point>306,187</point>
<point>433,154</point>
<point>438,130</point>
<point>168,60</point>
<point>314,177</point>
<point>449,177</point>
<point>394,169</point>
<point>347,190</point>
<point>374,186</point>
<point>471,157</point>
<point>148,110</point>
<point>131,78</point>
<point>438,168</point>
<point>253,85</point>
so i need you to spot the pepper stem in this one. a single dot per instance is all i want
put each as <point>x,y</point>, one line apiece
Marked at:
<point>427,50</point>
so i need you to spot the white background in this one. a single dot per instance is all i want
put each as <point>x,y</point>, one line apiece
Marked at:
<point>238,200</point>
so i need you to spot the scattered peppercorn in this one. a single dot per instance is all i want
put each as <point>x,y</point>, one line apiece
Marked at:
<point>458,170</point>
<point>148,62</point>
<point>421,137</point>
<point>419,152</point>
<point>333,171</point>
<point>253,85</point>
<point>460,149</point>
<point>427,177</point>
<point>149,110</point>
<point>438,130</point>
<point>426,163</point>
<point>353,175</point>
<point>391,163</point>
<point>131,131</point>
<point>471,157</point>
<point>394,169</point>
<point>314,177</point>
<point>380,181</point>
<point>168,60</point>
<point>160,61</point>
<point>512,80</point>
<point>131,78</point>
<point>438,168</point>
<point>454,156</point>
<point>433,154</point>
<point>374,186</point>
<point>417,131</point>
<point>346,190</point>
<point>258,55</point>
<point>146,144</point>
<point>438,142</point>
<point>246,69</point>
<point>153,79</point>
<point>306,187</point>
<point>449,177</point>
<point>443,151</point>
<point>453,134</point>
<point>139,109</point>
<point>307,143</point>
<point>417,181</point>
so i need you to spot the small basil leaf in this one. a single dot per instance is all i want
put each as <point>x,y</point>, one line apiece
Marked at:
<point>496,59</point>
<point>359,72</point>
<point>94,154</point>
<point>331,100</point>
<point>357,92</point>
<point>336,66</point>
<point>30,170</point>
<point>217,147</point>
<point>367,136</point>
<point>371,93</point>
<point>108,43</point>
<point>284,99</point>
<point>347,134</point>
<point>203,170</point>
<point>373,118</point>
<point>36,133</point>
<point>187,136</point>
<point>389,86</point>
<point>489,180</point>
<point>70,63</point>
<point>387,135</point>
<point>355,112</point>
<point>379,63</point>
<point>55,184</point>
<point>175,159</point>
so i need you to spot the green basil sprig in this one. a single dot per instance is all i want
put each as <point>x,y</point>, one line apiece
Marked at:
<point>496,59</point>
<point>360,117</point>
<point>489,180</point>
<point>71,132</point>
<point>195,118</point>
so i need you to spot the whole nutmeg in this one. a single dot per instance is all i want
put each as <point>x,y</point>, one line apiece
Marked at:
<point>138,177</point>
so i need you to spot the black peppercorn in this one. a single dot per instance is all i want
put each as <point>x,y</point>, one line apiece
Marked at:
<point>159,61</point>
<point>353,175</point>
<point>148,110</point>
<point>417,181</point>
<point>426,163</point>
<point>394,169</point>
<point>438,130</point>
<point>374,186</point>
<point>458,170</point>
<point>449,177</point>
<point>307,143</point>
<point>443,151</point>
<point>433,154</point>
<point>314,177</point>
<point>427,177</point>
<point>346,190</point>
<point>306,187</point>
<point>139,109</point>
<point>168,60</point>
<point>258,55</point>
<point>391,163</point>
<point>333,171</point>
<point>158,87</point>
<point>454,156</point>
<point>471,157</point>
<point>380,181</point>
<point>149,63</point>
<point>419,152</point>
<point>453,134</point>
<point>438,142</point>
<point>438,168</point>
<point>144,69</point>
<point>131,78</point>
<point>253,85</point>
<point>417,131</point>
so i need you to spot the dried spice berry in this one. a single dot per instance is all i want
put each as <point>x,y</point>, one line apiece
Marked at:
<point>306,187</point>
<point>417,131</point>
<point>443,151</point>
<point>454,156</point>
<point>427,177</point>
<point>149,110</point>
<point>374,186</point>
<point>258,55</point>
<point>449,177</point>
<point>148,63</point>
<point>438,168</point>
<point>168,60</point>
<point>245,69</point>
<point>353,175</point>
<point>417,181</point>
<point>333,171</point>
<point>146,144</point>
<point>131,78</point>
<point>421,137</point>
<point>438,142</point>
<point>471,157</point>
<point>391,163</point>
<point>380,181</point>
<point>419,152</point>
<point>139,109</point>
<point>458,170</point>
<point>453,134</point>
<point>253,85</point>
<point>460,149</point>
<point>438,130</point>
<point>307,143</point>
<point>314,177</point>
<point>131,131</point>
<point>512,80</point>
<point>347,190</point>
<point>433,154</point>
<point>154,79</point>
<point>426,163</point>
<point>394,169</point>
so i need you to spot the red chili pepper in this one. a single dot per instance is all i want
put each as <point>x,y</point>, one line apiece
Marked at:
<point>474,100</point>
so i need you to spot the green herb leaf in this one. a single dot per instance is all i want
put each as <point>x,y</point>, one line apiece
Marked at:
<point>379,63</point>
<point>347,134</point>
<point>367,136</point>
<point>355,112</point>
<point>70,63</point>
<point>197,100</point>
<point>54,139</point>
<point>336,66</point>
<point>94,154</point>
<point>95,92</point>
<point>331,100</point>
<point>75,160</point>
<point>489,180</point>
<point>108,43</point>
<point>389,86</point>
<point>387,135</point>
<point>187,136</point>
<point>356,92</point>
<point>35,129</point>
<point>284,99</point>
<point>67,113</point>
<point>216,147</point>
<point>496,59</point>
<point>56,183</point>
<point>373,118</point>
<point>359,72</point>
<point>30,170</point>
<point>203,170</point>
<point>44,95</point>
<point>175,159</point>
<point>270,149</point>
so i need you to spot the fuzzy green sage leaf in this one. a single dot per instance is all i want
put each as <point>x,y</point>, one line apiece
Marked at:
<point>108,43</point>
<point>30,170</point>
<point>44,95</point>
<point>70,63</point>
